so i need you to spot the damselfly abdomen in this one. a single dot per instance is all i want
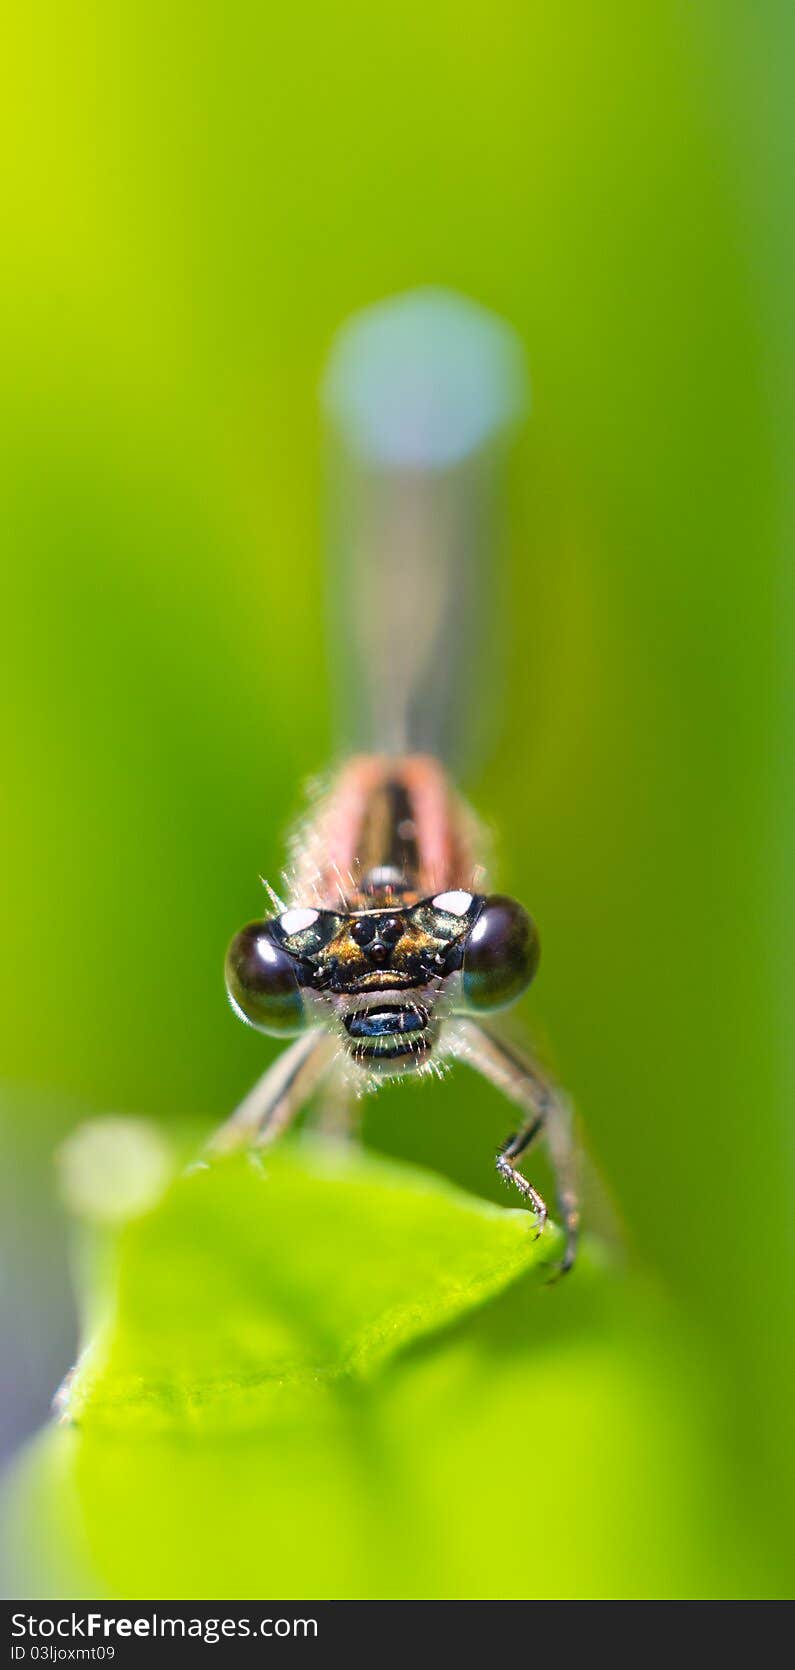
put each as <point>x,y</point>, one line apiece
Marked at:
<point>389,953</point>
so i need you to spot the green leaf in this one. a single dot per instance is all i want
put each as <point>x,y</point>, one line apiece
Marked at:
<point>322,1376</point>
<point>254,1276</point>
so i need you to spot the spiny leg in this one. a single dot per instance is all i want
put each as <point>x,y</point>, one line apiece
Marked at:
<point>549,1111</point>
<point>510,1173</point>
<point>278,1096</point>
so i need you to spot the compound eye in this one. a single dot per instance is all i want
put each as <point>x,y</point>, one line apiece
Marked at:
<point>262,982</point>
<point>500,955</point>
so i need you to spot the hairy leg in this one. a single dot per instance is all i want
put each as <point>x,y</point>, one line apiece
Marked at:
<point>547,1111</point>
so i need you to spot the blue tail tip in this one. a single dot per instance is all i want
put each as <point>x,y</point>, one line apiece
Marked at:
<point>423,380</point>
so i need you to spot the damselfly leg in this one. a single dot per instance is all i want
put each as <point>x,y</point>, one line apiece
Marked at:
<point>548,1113</point>
<point>278,1097</point>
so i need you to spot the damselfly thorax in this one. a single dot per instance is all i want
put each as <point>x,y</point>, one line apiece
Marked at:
<point>389,953</point>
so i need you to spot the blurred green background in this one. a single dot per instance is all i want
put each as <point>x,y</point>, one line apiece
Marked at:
<point>195,199</point>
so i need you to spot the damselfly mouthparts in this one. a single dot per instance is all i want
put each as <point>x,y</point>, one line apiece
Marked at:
<point>389,950</point>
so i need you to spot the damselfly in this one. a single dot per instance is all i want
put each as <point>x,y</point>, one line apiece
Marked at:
<point>388,952</point>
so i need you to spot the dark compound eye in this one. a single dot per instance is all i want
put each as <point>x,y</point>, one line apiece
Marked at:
<point>500,955</point>
<point>262,982</point>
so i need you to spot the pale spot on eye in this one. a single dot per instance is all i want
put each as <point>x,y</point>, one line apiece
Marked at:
<point>295,921</point>
<point>455,904</point>
<point>266,950</point>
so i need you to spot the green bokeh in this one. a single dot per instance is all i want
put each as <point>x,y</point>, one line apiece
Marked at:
<point>196,199</point>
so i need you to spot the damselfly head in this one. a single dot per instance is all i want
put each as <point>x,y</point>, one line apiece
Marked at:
<point>386,977</point>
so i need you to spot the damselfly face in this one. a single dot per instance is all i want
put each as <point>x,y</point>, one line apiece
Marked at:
<point>387,976</point>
